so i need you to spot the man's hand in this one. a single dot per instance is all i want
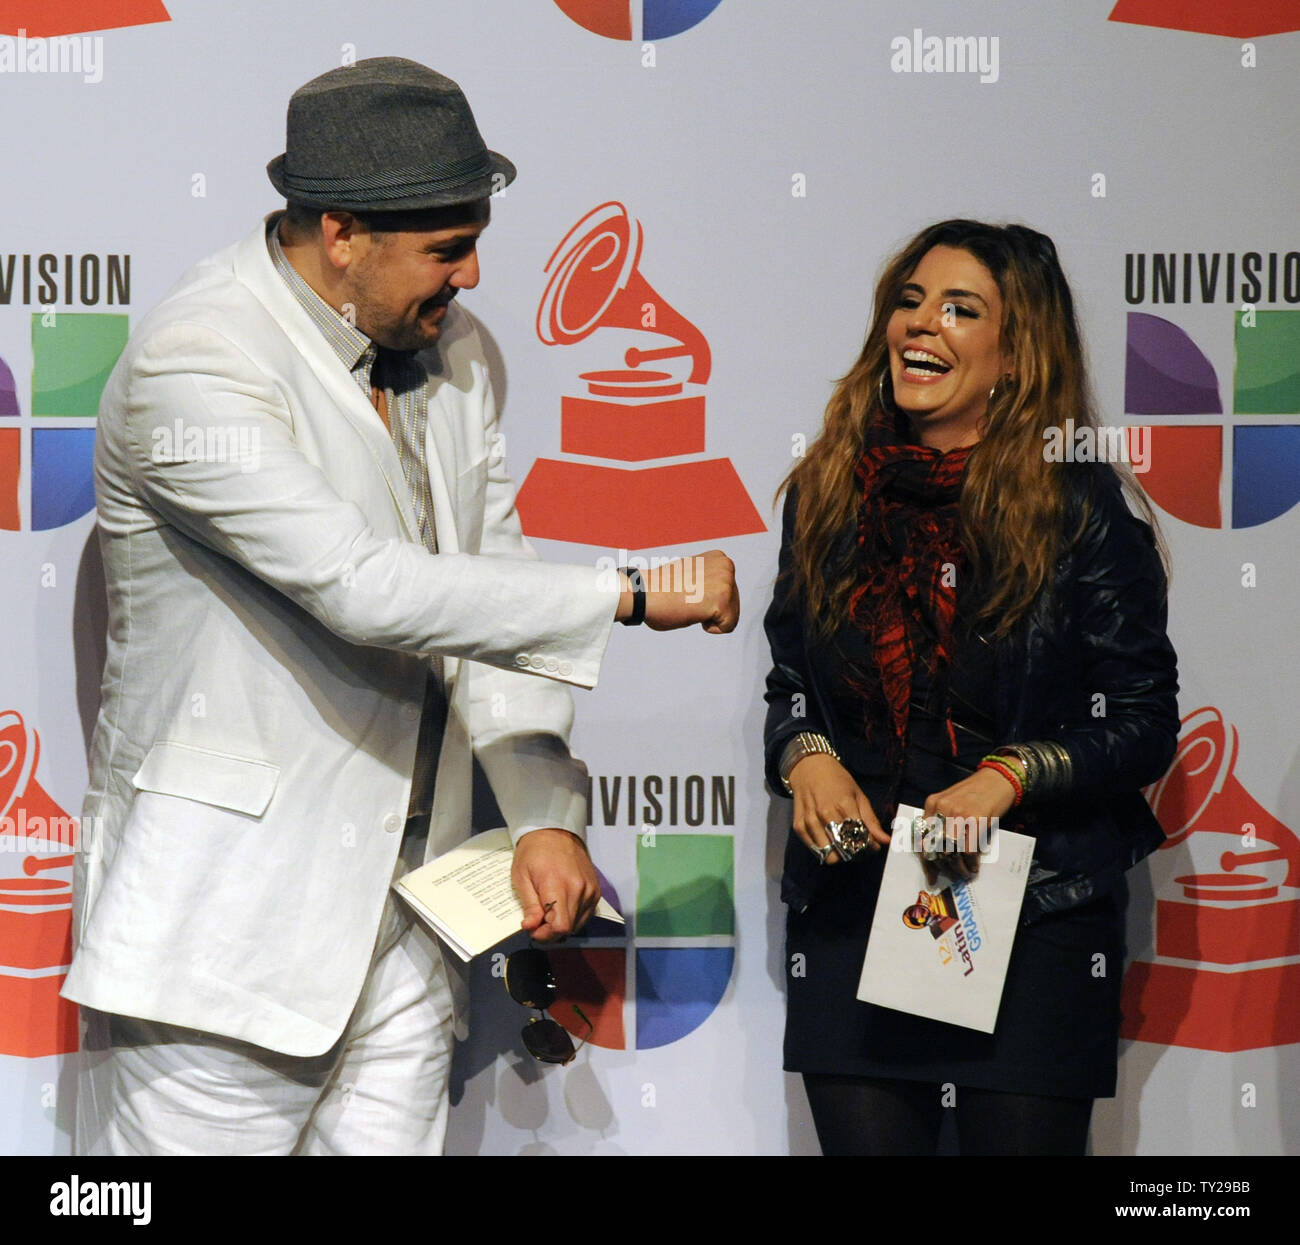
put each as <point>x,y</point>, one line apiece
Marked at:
<point>700,589</point>
<point>556,882</point>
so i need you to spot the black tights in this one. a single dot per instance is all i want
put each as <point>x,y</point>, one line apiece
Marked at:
<point>865,1116</point>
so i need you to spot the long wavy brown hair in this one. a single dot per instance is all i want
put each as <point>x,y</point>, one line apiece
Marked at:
<point>1013,501</point>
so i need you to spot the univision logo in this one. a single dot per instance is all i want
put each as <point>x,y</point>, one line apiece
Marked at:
<point>1252,464</point>
<point>659,978</point>
<point>72,356</point>
<point>660,19</point>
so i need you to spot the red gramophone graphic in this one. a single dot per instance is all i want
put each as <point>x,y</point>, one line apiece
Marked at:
<point>40,18</point>
<point>36,838</point>
<point>1246,19</point>
<point>633,414</point>
<point>1226,971</point>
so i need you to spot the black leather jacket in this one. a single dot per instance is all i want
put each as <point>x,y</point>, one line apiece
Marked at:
<point>1091,667</point>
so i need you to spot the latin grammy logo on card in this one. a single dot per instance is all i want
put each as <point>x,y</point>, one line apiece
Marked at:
<point>36,842</point>
<point>650,410</point>
<point>1225,973</point>
<point>950,917</point>
<point>935,911</point>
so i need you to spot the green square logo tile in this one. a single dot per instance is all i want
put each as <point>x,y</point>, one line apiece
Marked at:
<point>1267,379</point>
<point>686,885</point>
<point>71,360</point>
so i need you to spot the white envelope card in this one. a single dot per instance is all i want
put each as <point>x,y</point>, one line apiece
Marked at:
<point>942,951</point>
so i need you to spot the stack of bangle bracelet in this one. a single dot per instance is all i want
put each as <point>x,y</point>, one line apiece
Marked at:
<point>1040,769</point>
<point>806,743</point>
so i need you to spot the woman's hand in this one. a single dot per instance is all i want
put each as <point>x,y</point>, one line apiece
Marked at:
<point>977,800</point>
<point>825,791</point>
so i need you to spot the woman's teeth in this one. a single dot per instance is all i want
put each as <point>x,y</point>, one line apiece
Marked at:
<point>923,363</point>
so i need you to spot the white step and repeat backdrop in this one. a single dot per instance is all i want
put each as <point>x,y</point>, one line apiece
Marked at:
<point>763,156</point>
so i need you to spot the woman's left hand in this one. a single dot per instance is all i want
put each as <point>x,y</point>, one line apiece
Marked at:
<point>976,800</point>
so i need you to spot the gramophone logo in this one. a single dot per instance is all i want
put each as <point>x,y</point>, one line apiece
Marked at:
<point>631,414</point>
<point>41,18</point>
<point>37,838</point>
<point>1225,973</point>
<point>1243,19</point>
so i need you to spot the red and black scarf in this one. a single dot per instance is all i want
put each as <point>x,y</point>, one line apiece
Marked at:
<point>909,559</point>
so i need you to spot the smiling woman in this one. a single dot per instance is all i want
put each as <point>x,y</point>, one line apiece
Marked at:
<point>952,606</point>
<point>945,347</point>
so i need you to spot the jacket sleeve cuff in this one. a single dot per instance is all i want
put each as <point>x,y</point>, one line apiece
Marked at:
<point>537,783</point>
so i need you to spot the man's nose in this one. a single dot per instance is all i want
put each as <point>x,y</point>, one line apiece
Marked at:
<point>466,275</point>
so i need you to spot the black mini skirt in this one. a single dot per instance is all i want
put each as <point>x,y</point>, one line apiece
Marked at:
<point>1057,1031</point>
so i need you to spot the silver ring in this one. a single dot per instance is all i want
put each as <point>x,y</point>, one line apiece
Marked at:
<point>823,852</point>
<point>850,836</point>
<point>926,832</point>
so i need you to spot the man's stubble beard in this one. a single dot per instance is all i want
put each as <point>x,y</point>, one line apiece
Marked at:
<point>376,321</point>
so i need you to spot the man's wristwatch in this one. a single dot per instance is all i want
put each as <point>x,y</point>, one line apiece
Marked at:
<point>806,743</point>
<point>635,582</point>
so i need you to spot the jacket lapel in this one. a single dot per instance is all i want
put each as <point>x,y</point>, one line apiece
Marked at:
<point>254,269</point>
<point>440,454</point>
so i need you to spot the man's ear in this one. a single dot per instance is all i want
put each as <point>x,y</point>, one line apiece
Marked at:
<point>340,233</point>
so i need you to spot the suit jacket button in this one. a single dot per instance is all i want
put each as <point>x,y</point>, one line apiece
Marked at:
<point>566,667</point>
<point>537,663</point>
<point>392,823</point>
<point>521,659</point>
<point>410,712</point>
<point>552,665</point>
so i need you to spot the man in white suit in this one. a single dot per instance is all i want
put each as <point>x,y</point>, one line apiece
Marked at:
<point>321,606</point>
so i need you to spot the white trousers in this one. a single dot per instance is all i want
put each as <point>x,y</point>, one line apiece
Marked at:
<point>150,1088</point>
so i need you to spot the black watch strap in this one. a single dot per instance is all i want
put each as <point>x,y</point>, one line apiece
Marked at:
<point>636,582</point>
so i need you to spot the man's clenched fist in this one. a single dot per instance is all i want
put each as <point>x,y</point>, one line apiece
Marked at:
<point>700,589</point>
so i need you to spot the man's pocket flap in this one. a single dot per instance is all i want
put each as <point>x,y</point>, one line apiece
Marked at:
<point>237,783</point>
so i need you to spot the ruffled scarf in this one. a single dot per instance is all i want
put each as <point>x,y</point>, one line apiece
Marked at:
<point>910,557</point>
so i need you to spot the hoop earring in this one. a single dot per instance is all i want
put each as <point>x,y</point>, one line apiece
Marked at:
<point>993,392</point>
<point>888,407</point>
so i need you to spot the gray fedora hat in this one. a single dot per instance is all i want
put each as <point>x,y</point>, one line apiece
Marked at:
<point>384,135</point>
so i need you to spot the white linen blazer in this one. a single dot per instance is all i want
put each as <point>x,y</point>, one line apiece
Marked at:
<point>270,615</point>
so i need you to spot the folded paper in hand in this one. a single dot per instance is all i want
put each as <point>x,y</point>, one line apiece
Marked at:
<point>465,896</point>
